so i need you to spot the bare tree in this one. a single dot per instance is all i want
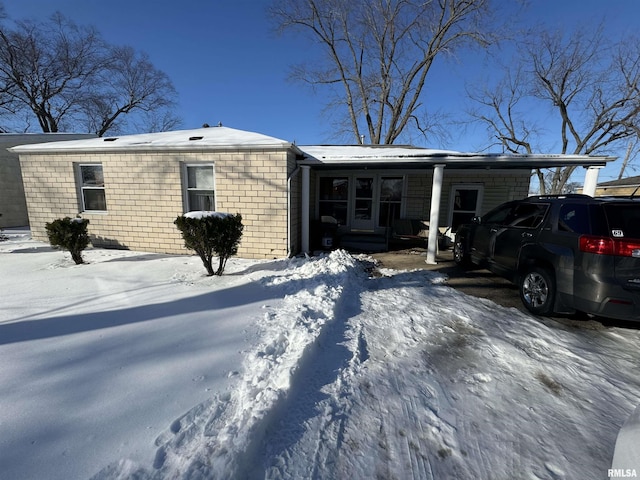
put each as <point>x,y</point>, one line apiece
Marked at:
<point>587,86</point>
<point>48,65</point>
<point>67,77</point>
<point>380,52</point>
<point>128,83</point>
<point>630,155</point>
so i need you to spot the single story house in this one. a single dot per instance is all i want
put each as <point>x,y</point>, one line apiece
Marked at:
<point>131,188</point>
<point>13,205</point>
<point>628,187</point>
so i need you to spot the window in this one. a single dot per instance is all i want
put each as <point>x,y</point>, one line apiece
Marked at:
<point>527,215</point>
<point>334,198</point>
<point>364,198</point>
<point>625,219</point>
<point>465,201</point>
<point>92,187</point>
<point>574,218</point>
<point>200,195</point>
<point>390,200</point>
<point>499,215</point>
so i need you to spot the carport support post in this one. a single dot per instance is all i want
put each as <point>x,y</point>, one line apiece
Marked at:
<point>591,181</point>
<point>436,193</point>
<point>306,191</point>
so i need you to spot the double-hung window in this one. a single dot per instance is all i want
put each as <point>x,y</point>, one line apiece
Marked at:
<point>92,192</point>
<point>200,191</point>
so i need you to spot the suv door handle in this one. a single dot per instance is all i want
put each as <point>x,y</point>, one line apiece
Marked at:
<point>527,235</point>
<point>493,230</point>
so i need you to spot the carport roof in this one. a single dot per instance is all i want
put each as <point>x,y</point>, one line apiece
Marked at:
<point>391,156</point>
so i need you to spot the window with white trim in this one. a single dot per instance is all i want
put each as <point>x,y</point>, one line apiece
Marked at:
<point>92,193</point>
<point>200,188</point>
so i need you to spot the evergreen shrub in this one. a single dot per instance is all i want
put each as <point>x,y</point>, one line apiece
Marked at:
<point>69,234</point>
<point>211,234</point>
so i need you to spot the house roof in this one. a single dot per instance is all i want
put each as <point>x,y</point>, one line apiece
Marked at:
<point>390,156</point>
<point>209,138</point>
<point>12,139</point>
<point>317,156</point>
<point>623,182</point>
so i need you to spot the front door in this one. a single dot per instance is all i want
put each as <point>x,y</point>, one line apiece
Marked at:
<point>363,215</point>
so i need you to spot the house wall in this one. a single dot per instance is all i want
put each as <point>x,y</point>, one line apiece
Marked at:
<point>498,186</point>
<point>144,195</point>
<point>13,205</point>
<point>621,191</point>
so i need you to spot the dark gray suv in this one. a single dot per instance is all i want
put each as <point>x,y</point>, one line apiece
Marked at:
<point>567,254</point>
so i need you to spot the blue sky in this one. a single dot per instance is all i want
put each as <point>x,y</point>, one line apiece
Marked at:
<point>229,66</point>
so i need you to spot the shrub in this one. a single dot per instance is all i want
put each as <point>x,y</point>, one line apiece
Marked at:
<point>211,234</point>
<point>69,234</point>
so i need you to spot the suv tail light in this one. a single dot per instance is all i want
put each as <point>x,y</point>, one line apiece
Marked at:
<point>609,246</point>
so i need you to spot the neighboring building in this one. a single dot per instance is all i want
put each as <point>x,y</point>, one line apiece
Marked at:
<point>131,188</point>
<point>13,206</point>
<point>626,187</point>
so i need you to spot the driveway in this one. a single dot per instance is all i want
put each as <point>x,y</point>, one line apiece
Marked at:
<point>478,283</point>
<point>484,284</point>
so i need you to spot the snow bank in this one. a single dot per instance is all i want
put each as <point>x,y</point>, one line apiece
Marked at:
<point>300,368</point>
<point>401,377</point>
<point>219,439</point>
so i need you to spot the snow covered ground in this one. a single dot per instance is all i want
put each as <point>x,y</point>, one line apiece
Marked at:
<point>138,366</point>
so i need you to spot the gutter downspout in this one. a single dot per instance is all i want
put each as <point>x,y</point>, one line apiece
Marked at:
<point>289,178</point>
<point>304,214</point>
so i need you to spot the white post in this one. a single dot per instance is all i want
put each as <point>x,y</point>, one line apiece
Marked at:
<point>306,192</point>
<point>436,193</point>
<point>591,181</point>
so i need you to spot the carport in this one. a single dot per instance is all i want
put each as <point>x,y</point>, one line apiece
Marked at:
<point>367,158</point>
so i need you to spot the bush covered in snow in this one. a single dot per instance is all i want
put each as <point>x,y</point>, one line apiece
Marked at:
<point>211,234</point>
<point>69,234</point>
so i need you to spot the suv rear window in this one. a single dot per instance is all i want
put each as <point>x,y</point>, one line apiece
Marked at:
<point>574,218</point>
<point>624,220</point>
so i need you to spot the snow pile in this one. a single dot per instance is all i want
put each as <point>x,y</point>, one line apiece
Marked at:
<point>301,368</point>
<point>217,440</point>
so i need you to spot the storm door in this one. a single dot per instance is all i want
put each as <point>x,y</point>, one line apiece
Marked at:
<point>362,213</point>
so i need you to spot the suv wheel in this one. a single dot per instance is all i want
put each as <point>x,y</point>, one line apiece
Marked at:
<point>460,256</point>
<point>538,290</point>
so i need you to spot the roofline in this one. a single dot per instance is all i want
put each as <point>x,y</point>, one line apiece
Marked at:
<point>473,161</point>
<point>205,139</point>
<point>32,149</point>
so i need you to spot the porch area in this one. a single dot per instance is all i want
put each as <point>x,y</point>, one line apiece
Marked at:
<point>401,235</point>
